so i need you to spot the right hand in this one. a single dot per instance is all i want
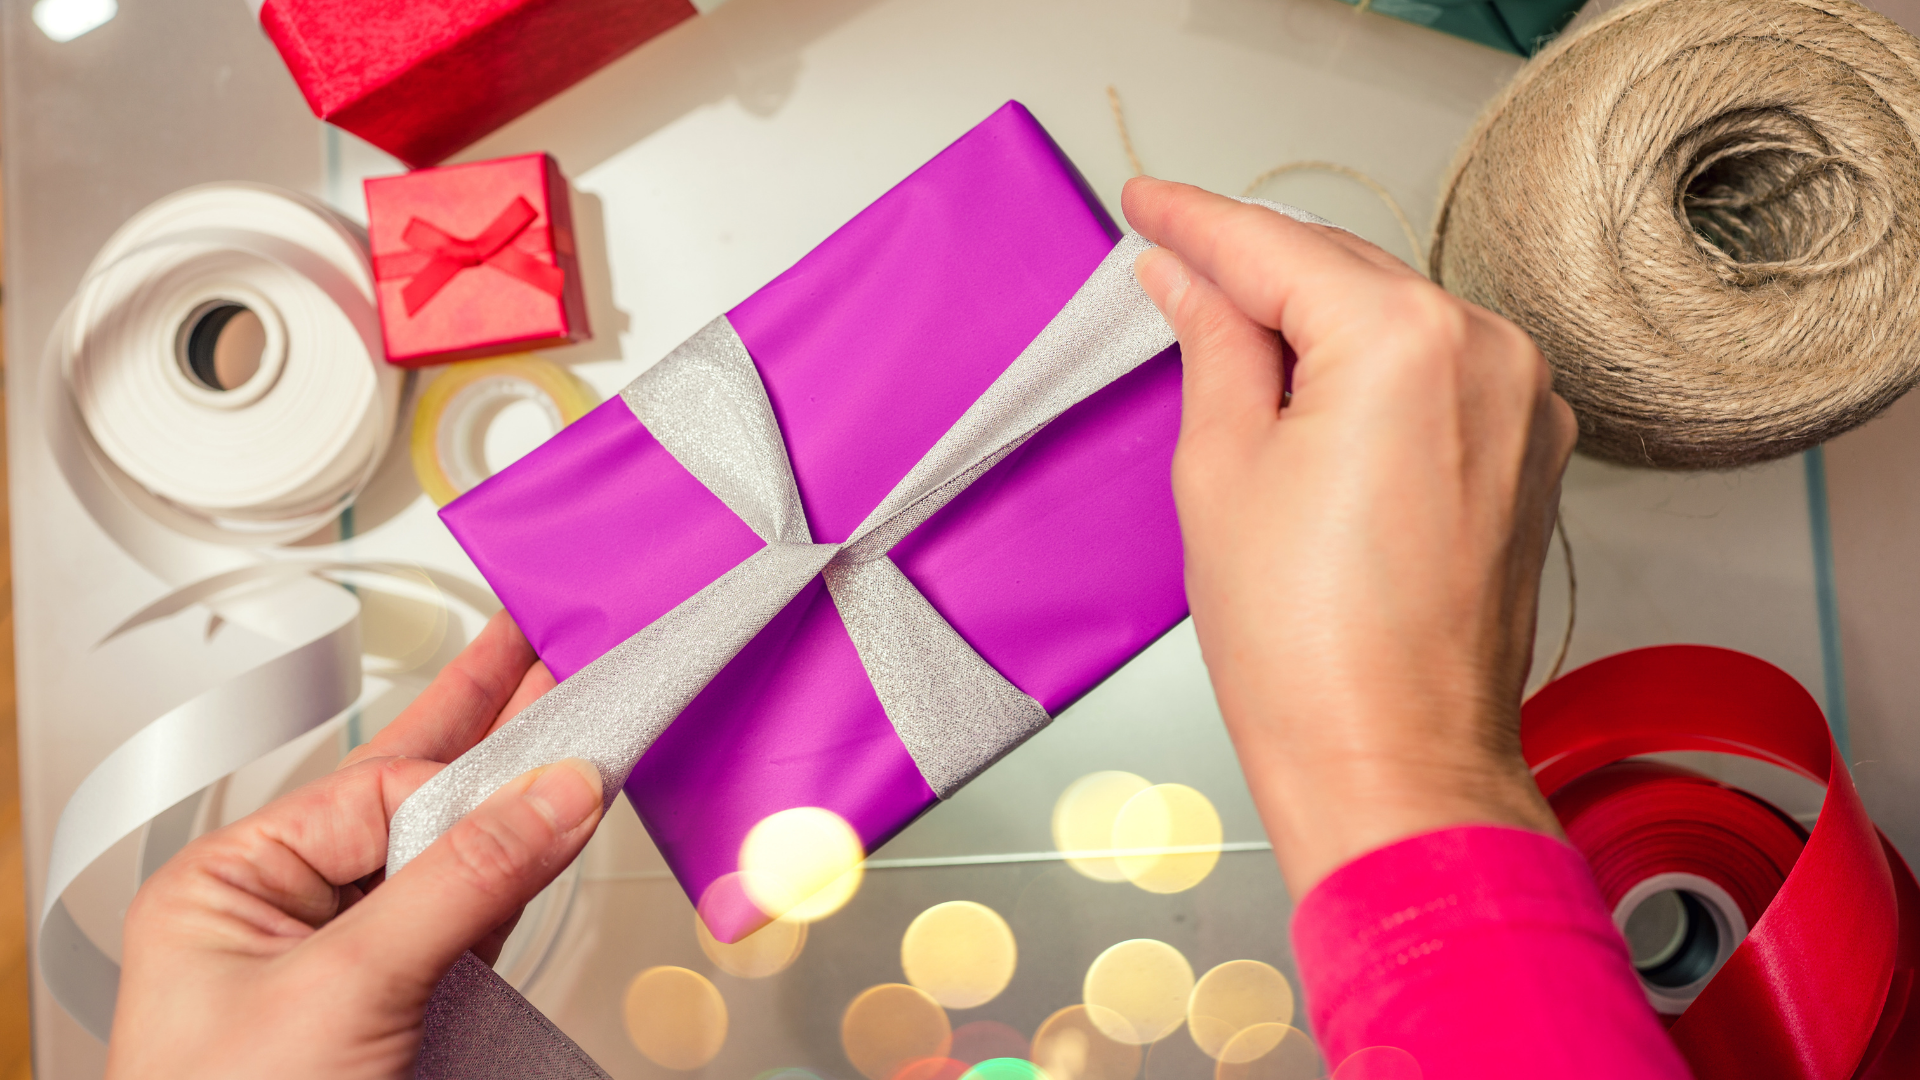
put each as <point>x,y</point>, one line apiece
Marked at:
<point>1363,568</point>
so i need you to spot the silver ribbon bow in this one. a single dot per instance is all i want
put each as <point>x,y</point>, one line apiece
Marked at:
<point>706,405</point>
<point>956,715</point>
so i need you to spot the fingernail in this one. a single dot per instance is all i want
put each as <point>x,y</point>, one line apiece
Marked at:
<point>1163,276</point>
<point>566,793</point>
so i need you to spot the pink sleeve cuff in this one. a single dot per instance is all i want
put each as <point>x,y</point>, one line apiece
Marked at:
<point>1486,953</point>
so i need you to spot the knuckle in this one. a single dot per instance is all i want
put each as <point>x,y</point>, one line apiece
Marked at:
<point>1424,309</point>
<point>1198,322</point>
<point>1424,335</point>
<point>488,855</point>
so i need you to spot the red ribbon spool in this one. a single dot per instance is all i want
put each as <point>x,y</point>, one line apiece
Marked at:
<point>1821,986</point>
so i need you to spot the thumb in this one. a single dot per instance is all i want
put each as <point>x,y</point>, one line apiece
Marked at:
<point>407,932</point>
<point>1231,379</point>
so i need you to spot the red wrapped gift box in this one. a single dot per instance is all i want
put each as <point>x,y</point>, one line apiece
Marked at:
<point>421,79</point>
<point>475,260</point>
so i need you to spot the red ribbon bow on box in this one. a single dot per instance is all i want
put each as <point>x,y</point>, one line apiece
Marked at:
<point>438,256</point>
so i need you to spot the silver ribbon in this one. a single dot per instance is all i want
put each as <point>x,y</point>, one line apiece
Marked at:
<point>956,715</point>
<point>706,405</point>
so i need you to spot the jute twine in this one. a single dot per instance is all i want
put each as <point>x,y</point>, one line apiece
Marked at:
<point>1707,215</point>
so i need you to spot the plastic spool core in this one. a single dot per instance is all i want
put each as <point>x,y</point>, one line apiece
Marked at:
<point>231,348</point>
<point>223,345</point>
<point>1680,928</point>
<point>1673,938</point>
<point>470,412</point>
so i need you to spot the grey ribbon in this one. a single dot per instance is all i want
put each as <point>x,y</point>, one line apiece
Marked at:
<point>706,405</point>
<point>956,715</point>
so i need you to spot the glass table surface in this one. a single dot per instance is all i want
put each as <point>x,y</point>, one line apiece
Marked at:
<point>705,163</point>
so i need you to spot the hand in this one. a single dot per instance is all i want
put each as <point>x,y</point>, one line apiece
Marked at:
<point>1363,568</point>
<point>265,949</point>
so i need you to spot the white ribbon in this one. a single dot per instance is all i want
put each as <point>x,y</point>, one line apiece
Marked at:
<point>290,451</point>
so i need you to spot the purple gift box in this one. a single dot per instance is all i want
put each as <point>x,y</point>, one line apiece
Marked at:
<point>1057,566</point>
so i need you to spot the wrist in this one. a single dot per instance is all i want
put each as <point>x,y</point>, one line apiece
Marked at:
<point>1324,807</point>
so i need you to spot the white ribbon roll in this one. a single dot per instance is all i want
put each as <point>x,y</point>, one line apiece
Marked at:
<point>192,477</point>
<point>285,449</point>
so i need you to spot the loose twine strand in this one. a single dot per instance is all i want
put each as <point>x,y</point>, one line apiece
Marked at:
<point>1406,225</point>
<point>1414,245</point>
<point>1126,140</point>
<point>1415,248</point>
<point>1706,213</point>
<point>1566,635</point>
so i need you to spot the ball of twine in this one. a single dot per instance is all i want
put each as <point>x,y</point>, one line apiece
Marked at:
<point>1707,215</point>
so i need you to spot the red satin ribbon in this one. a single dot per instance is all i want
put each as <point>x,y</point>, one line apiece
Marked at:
<point>438,256</point>
<point>1820,988</point>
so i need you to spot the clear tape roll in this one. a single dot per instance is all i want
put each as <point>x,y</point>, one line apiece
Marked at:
<point>450,423</point>
<point>282,451</point>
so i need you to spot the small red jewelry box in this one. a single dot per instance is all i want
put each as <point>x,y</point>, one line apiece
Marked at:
<point>475,260</point>
<point>421,79</point>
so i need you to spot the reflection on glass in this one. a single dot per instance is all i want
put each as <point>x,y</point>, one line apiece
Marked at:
<point>675,1017</point>
<point>802,864</point>
<point>404,631</point>
<point>960,952</point>
<point>1288,1055</point>
<point>766,951</point>
<point>1177,1059</point>
<point>1379,1063</point>
<point>1136,992</point>
<point>1234,997</point>
<point>64,20</point>
<point>1169,838</point>
<point>891,1027</point>
<point>1071,1045</point>
<point>1083,820</point>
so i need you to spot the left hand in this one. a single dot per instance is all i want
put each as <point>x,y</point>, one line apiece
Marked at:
<point>265,949</point>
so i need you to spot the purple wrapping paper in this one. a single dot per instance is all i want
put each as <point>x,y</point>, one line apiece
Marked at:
<point>1058,565</point>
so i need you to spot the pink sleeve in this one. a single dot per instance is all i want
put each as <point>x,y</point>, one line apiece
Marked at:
<point>1485,953</point>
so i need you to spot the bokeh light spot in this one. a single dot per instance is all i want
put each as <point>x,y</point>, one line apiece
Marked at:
<point>960,952</point>
<point>1070,1045</point>
<point>1379,1063</point>
<point>1169,838</point>
<point>1083,820</point>
<point>982,1040</point>
<point>934,1068</point>
<point>1288,1054</point>
<point>802,864</point>
<point>1233,997</point>
<point>891,1026</point>
<point>675,1017</point>
<point>1136,992</point>
<point>766,951</point>
<point>1006,1068</point>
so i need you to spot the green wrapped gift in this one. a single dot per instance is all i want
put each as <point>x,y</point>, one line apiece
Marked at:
<point>1521,27</point>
